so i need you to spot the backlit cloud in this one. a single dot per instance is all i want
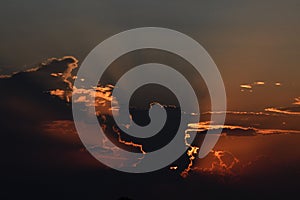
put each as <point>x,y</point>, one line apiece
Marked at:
<point>287,111</point>
<point>291,110</point>
<point>236,130</point>
<point>220,162</point>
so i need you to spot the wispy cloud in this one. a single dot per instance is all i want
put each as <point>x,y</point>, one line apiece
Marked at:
<point>237,113</point>
<point>282,111</point>
<point>236,130</point>
<point>291,110</point>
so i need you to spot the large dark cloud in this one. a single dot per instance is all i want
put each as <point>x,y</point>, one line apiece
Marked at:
<point>26,95</point>
<point>52,158</point>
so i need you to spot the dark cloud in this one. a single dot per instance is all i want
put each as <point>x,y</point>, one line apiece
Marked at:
<point>26,94</point>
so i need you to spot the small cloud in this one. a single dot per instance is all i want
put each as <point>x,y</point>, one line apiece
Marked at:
<point>246,86</point>
<point>59,74</point>
<point>251,86</point>
<point>297,101</point>
<point>259,83</point>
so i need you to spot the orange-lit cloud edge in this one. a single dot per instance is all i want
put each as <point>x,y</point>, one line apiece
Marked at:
<point>103,97</point>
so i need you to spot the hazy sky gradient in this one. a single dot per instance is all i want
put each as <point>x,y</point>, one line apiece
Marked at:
<point>249,40</point>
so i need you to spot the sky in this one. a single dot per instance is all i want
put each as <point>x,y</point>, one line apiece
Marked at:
<point>249,41</point>
<point>255,44</point>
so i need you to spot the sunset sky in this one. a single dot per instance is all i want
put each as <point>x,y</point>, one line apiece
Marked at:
<point>249,41</point>
<point>255,44</point>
